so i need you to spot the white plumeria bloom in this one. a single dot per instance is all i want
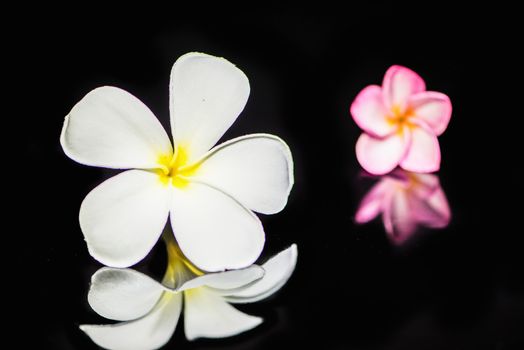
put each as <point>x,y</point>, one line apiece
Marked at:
<point>151,310</point>
<point>208,193</point>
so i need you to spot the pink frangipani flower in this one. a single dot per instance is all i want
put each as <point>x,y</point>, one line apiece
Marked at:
<point>401,122</point>
<point>406,201</point>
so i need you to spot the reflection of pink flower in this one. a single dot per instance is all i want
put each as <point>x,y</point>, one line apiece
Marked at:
<point>406,200</point>
<point>401,122</point>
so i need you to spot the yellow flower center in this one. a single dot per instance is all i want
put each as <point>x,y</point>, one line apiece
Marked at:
<point>401,117</point>
<point>177,258</point>
<point>179,268</point>
<point>174,168</point>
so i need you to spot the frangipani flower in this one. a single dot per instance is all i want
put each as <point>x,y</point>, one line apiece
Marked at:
<point>151,310</point>
<point>406,201</point>
<point>208,193</point>
<point>401,122</point>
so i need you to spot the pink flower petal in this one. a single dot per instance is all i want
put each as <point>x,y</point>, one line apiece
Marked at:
<point>399,84</point>
<point>398,219</point>
<point>369,112</point>
<point>423,155</point>
<point>440,209</point>
<point>380,156</point>
<point>407,201</point>
<point>372,203</point>
<point>434,108</point>
<point>387,218</point>
<point>423,185</point>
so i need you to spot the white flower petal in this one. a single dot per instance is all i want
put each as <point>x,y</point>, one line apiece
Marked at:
<point>111,128</point>
<point>208,315</point>
<point>149,332</point>
<point>123,294</point>
<point>123,217</point>
<point>256,170</point>
<point>207,94</point>
<point>278,270</point>
<point>214,231</point>
<point>226,280</point>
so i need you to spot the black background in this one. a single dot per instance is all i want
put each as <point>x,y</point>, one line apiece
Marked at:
<point>457,288</point>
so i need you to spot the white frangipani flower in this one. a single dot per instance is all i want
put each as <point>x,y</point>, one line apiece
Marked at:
<point>208,193</point>
<point>151,310</point>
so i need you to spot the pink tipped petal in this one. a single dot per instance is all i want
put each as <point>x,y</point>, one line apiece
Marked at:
<point>399,84</point>
<point>369,112</point>
<point>423,155</point>
<point>439,202</point>
<point>412,200</point>
<point>380,156</point>
<point>372,203</point>
<point>387,219</point>
<point>434,108</point>
<point>399,175</point>
<point>398,219</point>
<point>423,185</point>
<point>429,181</point>
<point>440,207</point>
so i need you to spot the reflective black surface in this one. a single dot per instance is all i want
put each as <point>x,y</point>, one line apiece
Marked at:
<point>456,288</point>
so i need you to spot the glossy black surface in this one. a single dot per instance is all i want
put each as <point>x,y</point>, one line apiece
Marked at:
<point>457,288</point>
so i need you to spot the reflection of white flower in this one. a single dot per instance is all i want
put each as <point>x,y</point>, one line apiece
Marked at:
<point>209,194</point>
<point>151,310</point>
